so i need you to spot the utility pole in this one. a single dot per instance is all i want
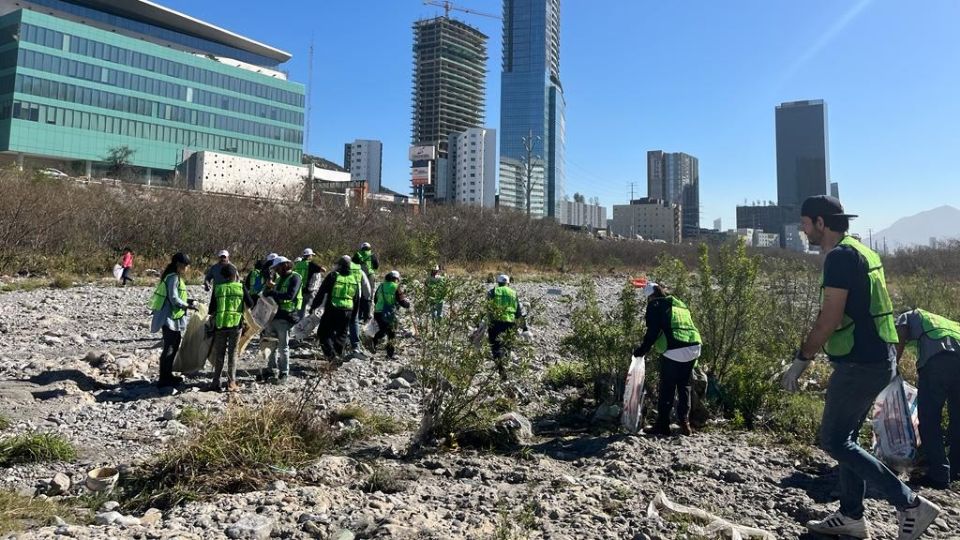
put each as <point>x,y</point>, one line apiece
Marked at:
<point>632,184</point>
<point>528,144</point>
<point>306,135</point>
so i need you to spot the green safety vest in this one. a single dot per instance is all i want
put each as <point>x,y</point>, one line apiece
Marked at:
<point>302,268</point>
<point>881,308</point>
<point>160,296</point>
<point>936,327</point>
<point>681,326</point>
<point>356,271</point>
<point>289,305</point>
<point>229,304</point>
<point>435,289</point>
<point>344,291</point>
<point>504,304</point>
<point>255,281</point>
<point>364,258</point>
<point>386,296</point>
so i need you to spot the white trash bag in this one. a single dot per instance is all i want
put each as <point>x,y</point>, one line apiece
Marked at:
<point>896,433</point>
<point>196,345</point>
<point>306,327</point>
<point>117,272</point>
<point>371,328</point>
<point>633,395</point>
<point>264,311</point>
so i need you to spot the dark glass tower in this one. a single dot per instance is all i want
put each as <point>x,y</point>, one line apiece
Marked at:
<point>803,160</point>
<point>532,103</point>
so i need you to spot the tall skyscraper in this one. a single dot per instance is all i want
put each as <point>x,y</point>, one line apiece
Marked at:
<point>674,177</point>
<point>532,105</point>
<point>472,168</point>
<point>803,162</point>
<point>449,85</point>
<point>364,160</point>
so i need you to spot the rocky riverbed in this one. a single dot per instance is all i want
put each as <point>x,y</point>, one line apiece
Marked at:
<point>79,362</point>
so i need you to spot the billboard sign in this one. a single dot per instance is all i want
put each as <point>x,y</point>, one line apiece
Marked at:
<point>419,153</point>
<point>421,176</point>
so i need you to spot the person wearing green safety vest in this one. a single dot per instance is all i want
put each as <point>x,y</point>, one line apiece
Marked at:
<point>389,295</point>
<point>362,313</point>
<point>505,313</point>
<point>226,315</point>
<point>287,292</point>
<point>169,305</point>
<point>857,331</point>
<point>938,383</point>
<point>368,261</point>
<point>672,333</point>
<point>339,295</point>
<point>310,274</point>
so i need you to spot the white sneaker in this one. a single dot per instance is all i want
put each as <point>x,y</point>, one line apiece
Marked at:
<point>836,524</point>
<point>913,521</point>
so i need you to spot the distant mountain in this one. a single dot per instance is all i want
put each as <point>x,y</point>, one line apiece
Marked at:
<point>942,223</point>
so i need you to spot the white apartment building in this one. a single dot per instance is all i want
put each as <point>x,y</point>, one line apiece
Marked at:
<point>472,173</point>
<point>364,159</point>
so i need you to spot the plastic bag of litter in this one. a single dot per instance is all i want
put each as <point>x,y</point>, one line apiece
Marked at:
<point>371,328</point>
<point>251,329</point>
<point>633,394</point>
<point>196,344</point>
<point>896,434</point>
<point>117,272</point>
<point>306,327</point>
<point>264,311</point>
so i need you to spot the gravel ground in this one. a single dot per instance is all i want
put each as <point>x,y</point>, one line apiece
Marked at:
<point>63,353</point>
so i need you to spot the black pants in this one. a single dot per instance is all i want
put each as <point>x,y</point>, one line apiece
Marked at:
<point>334,330</point>
<point>171,344</point>
<point>125,277</point>
<point>938,385</point>
<point>500,348</point>
<point>674,381</point>
<point>386,326</point>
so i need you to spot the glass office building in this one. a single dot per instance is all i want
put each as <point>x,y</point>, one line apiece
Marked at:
<point>532,104</point>
<point>803,162</point>
<point>78,78</point>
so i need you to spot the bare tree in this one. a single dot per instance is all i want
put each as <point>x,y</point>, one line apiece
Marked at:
<point>528,160</point>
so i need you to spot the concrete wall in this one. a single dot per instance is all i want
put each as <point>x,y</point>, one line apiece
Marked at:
<point>236,175</point>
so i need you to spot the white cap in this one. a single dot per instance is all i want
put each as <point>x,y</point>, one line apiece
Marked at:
<point>394,274</point>
<point>503,278</point>
<point>307,252</point>
<point>223,253</point>
<point>278,261</point>
<point>271,257</point>
<point>365,245</point>
<point>648,289</point>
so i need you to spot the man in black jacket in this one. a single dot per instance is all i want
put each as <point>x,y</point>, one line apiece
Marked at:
<point>670,332</point>
<point>340,295</point>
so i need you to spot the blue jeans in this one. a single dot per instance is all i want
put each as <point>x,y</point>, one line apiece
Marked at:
<point>850,395</point>
<point>939,385</point>
<point>280,357</point>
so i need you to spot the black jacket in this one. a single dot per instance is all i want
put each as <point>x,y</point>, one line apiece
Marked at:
<point>658,320</point>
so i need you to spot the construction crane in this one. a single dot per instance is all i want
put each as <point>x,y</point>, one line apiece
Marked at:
<point>448,6</point>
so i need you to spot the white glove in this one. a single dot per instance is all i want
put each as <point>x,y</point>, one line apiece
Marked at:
<point>791,377</point>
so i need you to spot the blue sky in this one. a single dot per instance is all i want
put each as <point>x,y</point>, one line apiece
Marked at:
<point>701,77</point>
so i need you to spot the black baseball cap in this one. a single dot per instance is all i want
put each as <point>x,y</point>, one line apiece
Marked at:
<point>823,206</point>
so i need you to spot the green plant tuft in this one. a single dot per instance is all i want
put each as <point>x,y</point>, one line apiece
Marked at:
<point>35,448</point>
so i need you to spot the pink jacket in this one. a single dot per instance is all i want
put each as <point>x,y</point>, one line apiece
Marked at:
<point>127,260</point>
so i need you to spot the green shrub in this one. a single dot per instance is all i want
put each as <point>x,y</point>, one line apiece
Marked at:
<point>19,513</point>
<point>384,481</point>
<point>604,340</point>
<point>241,450</point>
<point>61,281</point>
<point>457,378</point>
<point>795,418</point>
<point>192,416</point>
<point>565,374</point>
<point>371,423</point>
<point>35,448</point>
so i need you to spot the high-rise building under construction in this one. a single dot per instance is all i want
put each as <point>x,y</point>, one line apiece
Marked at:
<point>449,86</point>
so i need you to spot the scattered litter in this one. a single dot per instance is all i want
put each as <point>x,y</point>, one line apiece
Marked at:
<point>102,479</point>
<point>707,525</point>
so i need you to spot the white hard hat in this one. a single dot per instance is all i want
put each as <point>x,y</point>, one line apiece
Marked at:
<point>271,257</point>
<point>365,245</point>
<point>278,261</point>
<point>648,289</point>
<point>503,278</point>
<point>223,253</point>
<point>394,274</point>
<point>308,252</point>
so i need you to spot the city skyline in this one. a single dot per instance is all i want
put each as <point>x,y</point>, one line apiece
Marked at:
<point>878,66</point>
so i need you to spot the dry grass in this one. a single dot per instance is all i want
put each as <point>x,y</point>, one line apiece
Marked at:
<point>19,512</point>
